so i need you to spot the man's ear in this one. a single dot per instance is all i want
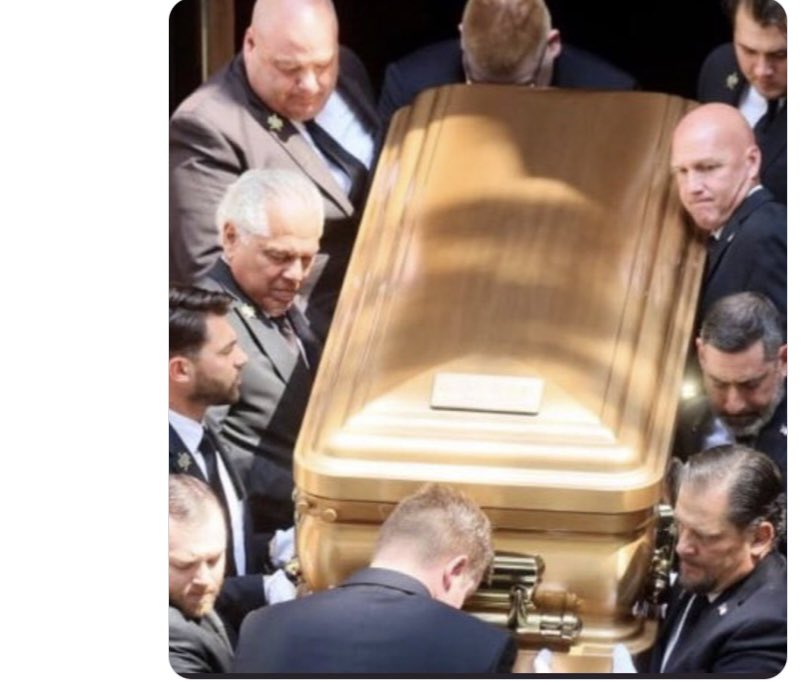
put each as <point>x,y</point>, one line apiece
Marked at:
<point>763,537</point>
<point>180,369</point>
<point>453,571</point>
<point>248,39</point>
<point>782,358</point>
<point>553,44</point>
<point>228,238</point>
<point>753,156</point>
<point>699,344</point>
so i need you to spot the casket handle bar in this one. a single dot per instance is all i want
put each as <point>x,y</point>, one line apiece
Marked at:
<point>656,589</point>
<point>511,586</point>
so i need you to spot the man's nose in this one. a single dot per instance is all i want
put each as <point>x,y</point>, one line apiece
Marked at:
<point>763,66</point>
<point>734,401</point>
<point>683,546</point>
<point>294,271</point>
<point>203,576</point>
<point>241,357</point>
<point>308,81</point>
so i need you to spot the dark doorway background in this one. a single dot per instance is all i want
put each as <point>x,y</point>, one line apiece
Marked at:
<point>662,44</point>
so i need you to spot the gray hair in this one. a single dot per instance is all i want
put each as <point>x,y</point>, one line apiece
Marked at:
<point>246,201</point>
<point>734,323</point>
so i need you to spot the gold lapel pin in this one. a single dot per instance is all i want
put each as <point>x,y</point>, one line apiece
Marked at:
<point>275,123</point>
<point>732,80</point>
<point>184,461</point>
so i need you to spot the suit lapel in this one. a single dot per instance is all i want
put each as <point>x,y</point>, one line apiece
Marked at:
<point>731,229</point>
<point>181,460</point>
<point>264,334</point>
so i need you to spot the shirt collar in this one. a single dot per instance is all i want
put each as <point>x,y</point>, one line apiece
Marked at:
<point>189,430</point>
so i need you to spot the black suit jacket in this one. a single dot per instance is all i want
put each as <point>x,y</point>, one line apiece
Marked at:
<point>377,622</point>
<point>750,254</point>
<point>243,593</point>
<point>198,646</point>
<point>442,64</point>
<point>743,631</point>
<point>721,80</point>
<point>260,429</point>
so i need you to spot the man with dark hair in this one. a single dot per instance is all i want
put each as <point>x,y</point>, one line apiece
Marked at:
<point>742,356</point>
<point>727,611</point>
<point>750,73</point>
<point>205,366</point>
<point>196,531</point>
<point>401,615</point>
<point>501,41</point>
<point>292,99</point>
<point>715,162</point>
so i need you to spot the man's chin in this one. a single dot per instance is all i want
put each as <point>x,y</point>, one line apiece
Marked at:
<point>199,608</point>
<point>697,585</point>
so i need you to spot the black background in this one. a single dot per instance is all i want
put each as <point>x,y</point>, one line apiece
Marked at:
<point>662,44</point>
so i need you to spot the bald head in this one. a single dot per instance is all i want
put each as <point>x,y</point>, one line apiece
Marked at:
<point>715,162</point>
<point>290,53</point>
<point>267,12</point>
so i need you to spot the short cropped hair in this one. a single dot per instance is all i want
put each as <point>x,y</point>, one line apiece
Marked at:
<point>191,500</point>
<point>437,522</point>
<point>734,323</point>
<point>764,12</point>
<point>501,35</point>
<point>189,308</point>
<point>247,200</point>
<point>753,480</point>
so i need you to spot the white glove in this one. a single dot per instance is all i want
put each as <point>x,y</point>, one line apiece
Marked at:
<point>542,663</point>
<point>622,660</point>
<point>278,588</point>
<point>282,547</point>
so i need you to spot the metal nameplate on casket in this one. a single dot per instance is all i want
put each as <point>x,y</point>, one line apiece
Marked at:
<point>518,235</point>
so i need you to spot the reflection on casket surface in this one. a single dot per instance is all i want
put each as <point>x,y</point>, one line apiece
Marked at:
<point>511,233</point>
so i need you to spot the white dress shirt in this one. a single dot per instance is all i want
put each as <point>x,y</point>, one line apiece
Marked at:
<point>191,433</point>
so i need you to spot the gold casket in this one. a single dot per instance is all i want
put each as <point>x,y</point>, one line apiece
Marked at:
<point>514,322</point>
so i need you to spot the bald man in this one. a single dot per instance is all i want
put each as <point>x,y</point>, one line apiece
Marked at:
<point>715,161</point>
<point>293,99</point>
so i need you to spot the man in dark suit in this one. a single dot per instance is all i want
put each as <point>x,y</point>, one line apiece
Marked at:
<point>271,222</point>
<point>750,73</point>
<point>400,616</point>
<point>197,554</point>
<point>205,366</point>
<point>501,41</point>
<point>715,162</point>
<point>743,357</point>
<point>727,611</point>
<point>291,99</point>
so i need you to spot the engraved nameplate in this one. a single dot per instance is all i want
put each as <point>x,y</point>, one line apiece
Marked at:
<point>486,393</point>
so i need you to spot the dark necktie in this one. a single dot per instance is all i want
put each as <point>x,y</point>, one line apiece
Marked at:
<point>208,452</point>
<point>285,328</point>
<point>341,157</point>
<point>763,124</point>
